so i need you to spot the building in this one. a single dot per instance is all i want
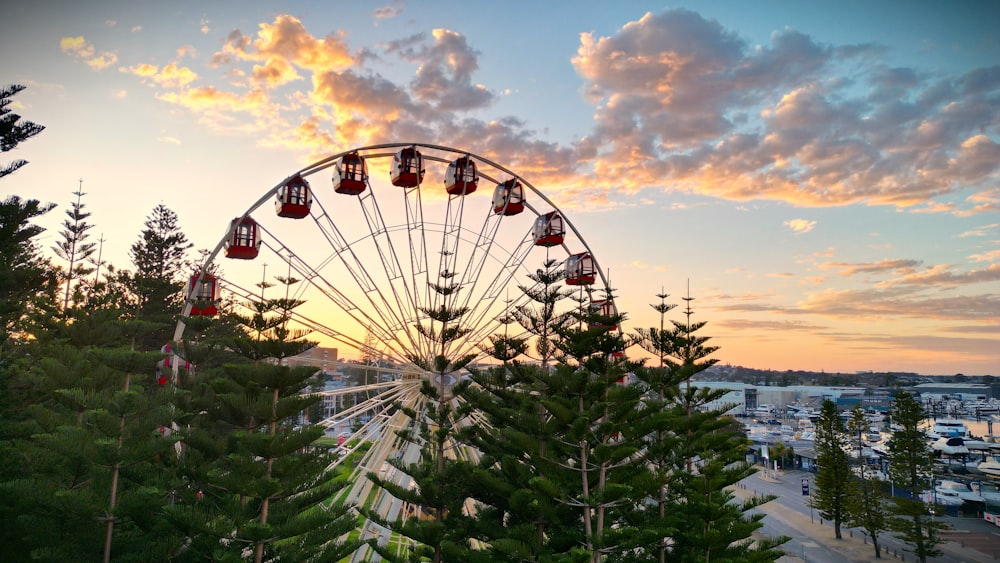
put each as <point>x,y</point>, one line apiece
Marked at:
<point>744,398</point>
<point>320,357</point>
<point>956,391</point>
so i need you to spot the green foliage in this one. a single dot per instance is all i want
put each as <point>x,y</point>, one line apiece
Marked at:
<point>75,251</point>
<point>13,131</point>
<point>834,480</point>
<point>867,507</point>
<point>261,480</point>
<point>910,466</point>
<point>156,286</point>
<point>27,283</point>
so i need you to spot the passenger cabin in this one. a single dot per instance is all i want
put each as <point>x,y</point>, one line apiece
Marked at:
<point>294,199</point>
<point>508,198</point>
<point>244,239</point>
<point>351,175</point>
<point>602,308</point>
<point>580,269</point>
<point>462,178</point>
<point>202,293</point>
<point>407,168</point>
<point>549,229</point>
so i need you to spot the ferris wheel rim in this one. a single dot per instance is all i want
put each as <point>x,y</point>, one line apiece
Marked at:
<point>329,161</point>
<point>383,421</point>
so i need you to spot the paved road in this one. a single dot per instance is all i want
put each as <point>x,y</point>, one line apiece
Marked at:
<point>789,515</point>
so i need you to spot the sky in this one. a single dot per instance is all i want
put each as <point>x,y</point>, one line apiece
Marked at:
<point>820,177</point>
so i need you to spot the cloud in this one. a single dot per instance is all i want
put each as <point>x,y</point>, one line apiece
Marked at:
<point>171,75</point>
<point>681,98</point>
<point>287,40</point>
<point>988,256</point>
<point>898,265</point>
<point>76,46</point>
<point>901,303</point>
<point>444,75</point>
<point>679,103</point>
<point>945,276</point>
<point>781,326</point>
<point>982,231</point>
<point>395,9</point>
<point>81,49</point>
<point>800,225</point>
<point>169,140</point>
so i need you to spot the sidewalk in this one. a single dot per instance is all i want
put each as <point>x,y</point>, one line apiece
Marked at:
<point>855,545</point>
<point>850,547</point>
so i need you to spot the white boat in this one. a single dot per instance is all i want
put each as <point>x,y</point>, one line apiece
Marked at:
<point>872,437</point>
<point>978,445</point>
<point>989,491</point>
<point>945,498</point>
<point>948,427</point>
<point>955,465</point>
<point>990,466</point>
<point>950,446</point>
<point>873,415</point>
<point>764,411</point>
<point>982,407</point>
<point>963,491</point>
<point>806,414</point>
<point>807,435</point>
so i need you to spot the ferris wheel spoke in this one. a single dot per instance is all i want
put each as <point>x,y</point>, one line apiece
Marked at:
<point>406,303</point>
<point>417,234</point>
<point>479,254</point>
<point>479,319</point>
<point>381,327</point>
<point>387,313</point>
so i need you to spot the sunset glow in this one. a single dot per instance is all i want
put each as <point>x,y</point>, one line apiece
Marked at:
<point>825,183</point>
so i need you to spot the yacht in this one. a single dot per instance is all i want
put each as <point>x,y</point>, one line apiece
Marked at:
<point>950,446</point>
<point>949,427</point>
<point>764,411</point>
<point>963,491</point>
<point>990,466</point>
<point>944,498</point>
<point>873,415</point>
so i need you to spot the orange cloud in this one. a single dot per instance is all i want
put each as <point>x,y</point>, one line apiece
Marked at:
<point>800,225</point>
<point>81,49</point>
<point>170,76</point>
<point>895,265</point>
<point>286,38</point>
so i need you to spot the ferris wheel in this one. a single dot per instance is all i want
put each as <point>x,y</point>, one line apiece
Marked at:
<point>405,229</point>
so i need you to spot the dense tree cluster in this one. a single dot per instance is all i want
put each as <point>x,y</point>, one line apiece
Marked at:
<point>850,492</point>
<point>110,450</point>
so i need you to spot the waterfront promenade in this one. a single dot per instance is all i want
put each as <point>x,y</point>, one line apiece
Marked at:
<point>970,540</point>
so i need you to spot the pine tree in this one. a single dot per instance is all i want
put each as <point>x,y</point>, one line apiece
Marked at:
<point>519,515</point>
<point>27,282</point>
<point>158,282</point>
<point>437,496</point>
<point>90,482</point>
<point>866,509</point>
<point>591,410</point>
<point>834,480</point>
<point>257,483</point>
<point>12,132</point>
<point>697,454</point>
<point>910,466</point>
<point>75,249</point>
